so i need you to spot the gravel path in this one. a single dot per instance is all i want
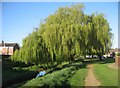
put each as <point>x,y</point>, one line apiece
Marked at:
<point>90,79</point>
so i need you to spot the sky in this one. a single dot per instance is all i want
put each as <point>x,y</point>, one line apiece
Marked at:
<point>20,18</point>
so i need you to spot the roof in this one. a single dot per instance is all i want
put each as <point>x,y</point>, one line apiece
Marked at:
<point>8,44</point>
<point>115,50</point>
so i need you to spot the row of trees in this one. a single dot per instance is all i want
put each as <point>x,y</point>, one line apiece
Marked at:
<point>66,34</point>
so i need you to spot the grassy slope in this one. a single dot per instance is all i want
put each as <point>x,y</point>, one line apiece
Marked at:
<point>107,76</point>
<point>62,77</point>
<point>78,78</point>
<point>56,78</point>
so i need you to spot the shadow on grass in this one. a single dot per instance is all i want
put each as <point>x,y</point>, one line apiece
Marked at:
<point>11,77</point>
<point>76,64</point>
<point>7,64</point>
<point>97,61</point>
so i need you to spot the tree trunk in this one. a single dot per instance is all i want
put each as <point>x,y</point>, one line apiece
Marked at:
<point>92,56</point>
<point>100,57</point>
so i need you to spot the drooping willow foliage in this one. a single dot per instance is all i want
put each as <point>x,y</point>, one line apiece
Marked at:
<point>66,34</point>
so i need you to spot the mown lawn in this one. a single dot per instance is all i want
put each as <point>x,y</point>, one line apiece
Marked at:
<point>78,78</point>
<point>107,76</point>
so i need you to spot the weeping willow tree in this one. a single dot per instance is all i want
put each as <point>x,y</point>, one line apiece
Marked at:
<point>64,35</point>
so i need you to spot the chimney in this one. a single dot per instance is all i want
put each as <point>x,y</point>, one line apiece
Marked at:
<point>3,44</point>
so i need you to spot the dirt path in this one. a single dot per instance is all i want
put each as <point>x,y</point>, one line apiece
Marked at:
<point>90,79</point>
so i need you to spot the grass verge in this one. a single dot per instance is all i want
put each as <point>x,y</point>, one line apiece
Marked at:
<point>106,75</point>
<point>78,78</point>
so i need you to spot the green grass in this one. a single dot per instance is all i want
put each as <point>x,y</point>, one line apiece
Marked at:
<point>59,77</point>
<point>64,74</point>
<point>106,75</point>
<point>56,78</point>
<point>78,78</point>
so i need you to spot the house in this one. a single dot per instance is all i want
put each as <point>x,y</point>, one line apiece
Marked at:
<point>8,48</point>
<point>112,52</point>
<point>116,50</point>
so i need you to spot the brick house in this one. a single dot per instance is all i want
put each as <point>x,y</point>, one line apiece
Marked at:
<point>8,48</point>
<point>116,50</point>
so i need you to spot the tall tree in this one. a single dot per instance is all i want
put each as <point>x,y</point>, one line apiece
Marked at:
<point>64,35</point>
